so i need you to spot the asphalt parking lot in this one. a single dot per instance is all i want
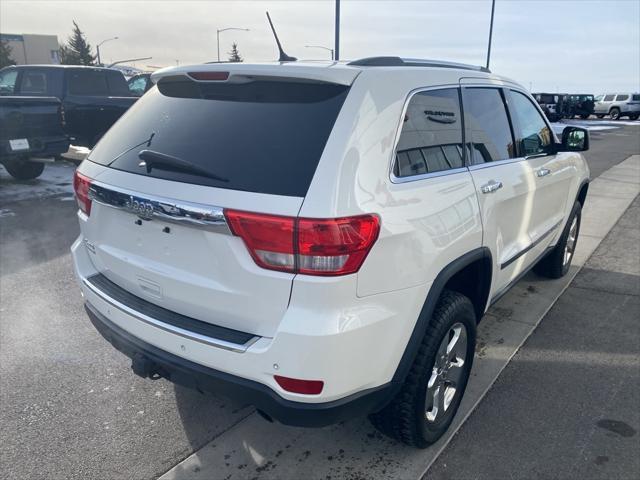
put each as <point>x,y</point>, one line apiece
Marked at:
<point>70,406</point>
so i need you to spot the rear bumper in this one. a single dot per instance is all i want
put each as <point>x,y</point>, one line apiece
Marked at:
<point>149,361</point>
<point>39,147</point>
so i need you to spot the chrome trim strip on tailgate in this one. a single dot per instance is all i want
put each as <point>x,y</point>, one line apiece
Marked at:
<point>214,342</point>
<point>148,207</point>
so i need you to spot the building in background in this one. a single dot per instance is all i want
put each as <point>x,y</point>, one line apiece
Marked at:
<point>33,49</point>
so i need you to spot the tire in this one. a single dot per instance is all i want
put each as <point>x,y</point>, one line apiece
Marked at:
<point>615,114</point>
<point>412,417</point>
<point>556,264</point>
<point>585,116</point>
<point>23,169</point>
<point>600,115</point>
<point>634,116</point>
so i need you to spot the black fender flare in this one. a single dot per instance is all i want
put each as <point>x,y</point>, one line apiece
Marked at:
<point>420,328</point>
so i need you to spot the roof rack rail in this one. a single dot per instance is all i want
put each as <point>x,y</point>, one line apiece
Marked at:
<point>413,62</point>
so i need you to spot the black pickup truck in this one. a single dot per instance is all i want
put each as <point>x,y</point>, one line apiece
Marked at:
<point>31,129</point>
<point>92,98</point>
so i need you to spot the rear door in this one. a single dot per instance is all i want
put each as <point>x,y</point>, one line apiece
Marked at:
<point>553,172</point>
<point>505,184</point>
<point>252,146</point>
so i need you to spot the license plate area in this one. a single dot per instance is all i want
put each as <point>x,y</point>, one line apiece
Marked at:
<point>19,144</point>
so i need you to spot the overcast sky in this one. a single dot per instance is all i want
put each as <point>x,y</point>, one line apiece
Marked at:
<point>585,46</point>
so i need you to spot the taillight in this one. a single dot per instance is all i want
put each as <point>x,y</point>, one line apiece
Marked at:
<point>81,186</point>
<point>336,246</point>
<point>296,385</point>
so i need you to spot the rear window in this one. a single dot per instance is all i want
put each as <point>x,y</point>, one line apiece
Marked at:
<point>262,136</point>
<point>87,83</point>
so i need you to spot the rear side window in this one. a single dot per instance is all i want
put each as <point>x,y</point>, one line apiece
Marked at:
<point>609,98</point>
<point>117,85</point>
<point>431,137</point>
<point>261,136</point>
<point>534,135</point>
<point>622,98</point>
<point>487,122</point>
<point>87,83</point>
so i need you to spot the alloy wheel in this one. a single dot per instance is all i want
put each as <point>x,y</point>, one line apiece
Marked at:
<point>570,246</point>
<point>447,372</point>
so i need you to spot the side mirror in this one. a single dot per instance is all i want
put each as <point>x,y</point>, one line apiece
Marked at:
<point>574,139</point>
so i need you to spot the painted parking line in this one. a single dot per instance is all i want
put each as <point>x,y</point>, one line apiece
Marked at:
<point>254,448</point>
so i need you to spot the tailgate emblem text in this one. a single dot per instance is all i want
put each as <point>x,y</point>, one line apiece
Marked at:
<point>143,209</point>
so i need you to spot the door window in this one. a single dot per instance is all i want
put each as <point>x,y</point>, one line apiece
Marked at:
<point>622,98</point>
<point>33,83</point>
<point>87,83</point>
<point>431,137</point>
<point>609,98</point>
<point>487,122</point>
<point>534,135</point>
<point>8,81</point>
<point>137,85</point>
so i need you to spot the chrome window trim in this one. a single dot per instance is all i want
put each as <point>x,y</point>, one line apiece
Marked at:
<point>149,207</point>
<point>213,342</point>
<point>415,178</point>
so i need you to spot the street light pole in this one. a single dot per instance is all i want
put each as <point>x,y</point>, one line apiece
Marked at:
<point>98,48</point>
<point>224,30</point>
<point>320,46</point>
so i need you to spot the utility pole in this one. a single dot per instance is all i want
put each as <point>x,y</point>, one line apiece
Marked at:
<point>493,9</point>
<point>337,39</point>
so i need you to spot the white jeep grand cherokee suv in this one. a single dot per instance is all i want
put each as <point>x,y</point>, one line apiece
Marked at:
<point>321,239</point>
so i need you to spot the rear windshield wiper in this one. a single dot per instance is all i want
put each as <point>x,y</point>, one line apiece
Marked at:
<point>162,161</point>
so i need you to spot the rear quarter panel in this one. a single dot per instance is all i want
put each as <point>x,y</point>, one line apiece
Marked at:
<point>424,224</point>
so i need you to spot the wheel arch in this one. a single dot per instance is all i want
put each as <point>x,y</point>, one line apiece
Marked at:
<point>582,192</point>
<point>470,275</point>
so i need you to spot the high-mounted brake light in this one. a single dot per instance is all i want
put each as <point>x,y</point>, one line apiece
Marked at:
<point>81,186</point>
<point>330,247</point>
<point>296,385</point>
<point>209,76</point>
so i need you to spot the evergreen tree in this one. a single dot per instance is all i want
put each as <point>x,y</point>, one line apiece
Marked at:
<point>77,51</point>
<point>5,54</point>
<point>234,54</point>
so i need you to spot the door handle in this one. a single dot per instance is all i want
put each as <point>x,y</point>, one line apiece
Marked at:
<point>542,172</point>
<point>491,187</point>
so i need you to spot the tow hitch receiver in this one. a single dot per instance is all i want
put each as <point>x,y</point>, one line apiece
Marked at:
<point>145,368</point>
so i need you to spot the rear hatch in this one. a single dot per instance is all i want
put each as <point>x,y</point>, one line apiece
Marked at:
<point>194,145</point>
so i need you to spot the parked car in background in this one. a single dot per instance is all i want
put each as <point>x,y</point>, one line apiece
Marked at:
<point>31,129</point>
<point>323,245</point>
<point>92,98</point>
<point>139,84</point>
<point>552,104</point>
<point>581,105</point>
<point>618,105</point>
